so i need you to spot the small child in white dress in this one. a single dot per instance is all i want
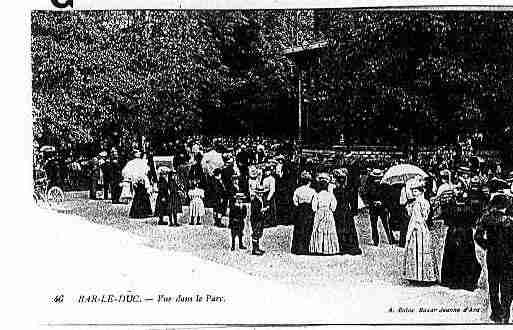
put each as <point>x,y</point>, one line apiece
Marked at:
<point>196,206</point>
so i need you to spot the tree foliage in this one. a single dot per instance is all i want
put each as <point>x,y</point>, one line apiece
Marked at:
<point>400,75</point>
<point>429,75</point>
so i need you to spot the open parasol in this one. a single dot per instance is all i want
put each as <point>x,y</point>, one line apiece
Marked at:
<point>212,160</point>
<point>135,169</point>
<point>47,149</point>
<point>402,173</point>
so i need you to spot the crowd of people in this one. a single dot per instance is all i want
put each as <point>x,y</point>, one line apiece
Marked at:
<point>271,184</point>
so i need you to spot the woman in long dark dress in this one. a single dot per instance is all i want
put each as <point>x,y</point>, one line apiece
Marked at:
<point>162,206</point>
<point>344,221</point>
<point>141,206</point>
<point>176,193</point>
<point>460,268</point>
<point>303,215</point>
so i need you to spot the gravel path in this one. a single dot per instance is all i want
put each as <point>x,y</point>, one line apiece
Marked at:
<point>376,272</point>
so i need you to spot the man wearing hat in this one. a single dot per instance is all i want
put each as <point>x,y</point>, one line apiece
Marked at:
<point>227,174</point>
<point>445,177</point>
<point>257,219</point>
<point>176,196</point>
<point>220,203</point>
<point>269,185</point>
<point>494,233</point>
<point>106,169</point>
<point>238,213</point>
<point>244,159</point>
<point>375,196</point>
<point>116,176</point>
<point>477,197</point>
<point>94,176</point>
<point>464,177</point>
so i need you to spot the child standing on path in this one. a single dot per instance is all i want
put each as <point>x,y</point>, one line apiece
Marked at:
<point>238,213</point>
<point>196,207</point>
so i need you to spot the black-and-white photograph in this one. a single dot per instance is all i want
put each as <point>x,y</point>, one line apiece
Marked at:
<point>357,164</point>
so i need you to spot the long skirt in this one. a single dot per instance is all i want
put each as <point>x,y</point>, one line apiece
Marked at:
<point>419,257</point>
<point>270,218</point>
<point>303,226</point>
<point>162,206</point>
<point>460,268</point>
<point>346,232</point>
<point>324,234</point>
<point>175,203</point>
<point>196,208</point>
<point>141,206</point>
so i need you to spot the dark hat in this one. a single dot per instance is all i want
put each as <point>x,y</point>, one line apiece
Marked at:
<point>500,201</point>
<point>509,177</point>
<point>496,184</point>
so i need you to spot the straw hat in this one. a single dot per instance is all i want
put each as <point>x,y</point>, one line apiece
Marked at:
<point>305,175</point>
<point>163,170</point>
<point>339,173</point>
<point>463,170</point>
<point>240,196</point>
<point>416,183</point>
<point>376,173</point>
<point>253,172</point>
<point>445,173</point>
<point>323,177</point>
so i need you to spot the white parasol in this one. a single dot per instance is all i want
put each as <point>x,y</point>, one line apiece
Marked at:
<point>212,160</point>
<point>402,173</point>
<point>47,149</point>
<point>135,169</point>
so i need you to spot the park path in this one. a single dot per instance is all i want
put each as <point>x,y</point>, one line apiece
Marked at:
<point>287,287</point>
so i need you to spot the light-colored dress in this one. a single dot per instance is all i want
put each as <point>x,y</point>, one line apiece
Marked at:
<point>196,207</point>
<point>419,257</point>
<point>324,238</point>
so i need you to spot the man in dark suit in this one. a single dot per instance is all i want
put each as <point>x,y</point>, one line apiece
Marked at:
<point>257,219</point>
<point>375,196</point>
<point>116,176</point>
<point>244,159</point>
<point>106,168</point>
<point>494,233</point>
<point>227,174</point>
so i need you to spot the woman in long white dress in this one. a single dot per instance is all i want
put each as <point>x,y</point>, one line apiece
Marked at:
<point>324,240</point>
<point>196,206</point>
<point>419,258</point>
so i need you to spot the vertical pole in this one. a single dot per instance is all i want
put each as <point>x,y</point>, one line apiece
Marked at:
<point>299,107</point>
